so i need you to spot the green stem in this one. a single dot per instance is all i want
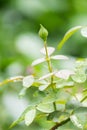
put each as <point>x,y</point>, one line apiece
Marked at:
<point>50,68</point>
<point>48,58</point>
<point>48,61</point>
<point>18,78</point>
<point>84,99</point>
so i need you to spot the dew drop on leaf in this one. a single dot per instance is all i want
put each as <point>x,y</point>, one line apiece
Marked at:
<point>84,32</point>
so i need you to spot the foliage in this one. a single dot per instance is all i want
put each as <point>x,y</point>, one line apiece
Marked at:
<point>53,95</point>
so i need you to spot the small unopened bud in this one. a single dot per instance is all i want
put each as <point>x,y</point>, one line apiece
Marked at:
<point>43,33</point>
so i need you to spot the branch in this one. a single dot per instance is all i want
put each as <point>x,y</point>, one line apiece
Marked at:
<point>13,79</point>
<point>60,124</point>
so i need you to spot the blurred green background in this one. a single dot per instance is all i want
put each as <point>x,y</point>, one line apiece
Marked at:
<point>20,43</point>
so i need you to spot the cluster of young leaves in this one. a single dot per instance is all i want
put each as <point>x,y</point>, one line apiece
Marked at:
<point>52,94</point>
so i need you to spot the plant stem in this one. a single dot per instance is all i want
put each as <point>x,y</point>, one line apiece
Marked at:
<point>48,61</point>
<point>50,68</point>
<point>60,124</point>
<point>84,99</point>
<point>13,79</point>
<point>47,57</point>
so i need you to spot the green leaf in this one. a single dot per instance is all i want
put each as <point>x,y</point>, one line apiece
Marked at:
<point>43,87</point>
<point>21,118</point>
<point>81,114</point>
<point>58,116</point>
<point>38,61</point>
<point>59,57</point>
<point>35,96</point>
<point>64,74</point>
<point>64,83</point>
<point>50,50</point>
<point>81,109</point>
<point>22,92</point>
<point>50,98</point>
<point>73,104</point>
<point>81,66</point>
<point>46,108</point>
<point>46,76</point>
<point>52,115</point>
<point>68,35</point>
<point>28,81</point>
<point>75,121</point>
<point>29,116</point>
<point>79,77</point>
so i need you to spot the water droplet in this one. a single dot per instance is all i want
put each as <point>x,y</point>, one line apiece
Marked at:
<point>84,32</point>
